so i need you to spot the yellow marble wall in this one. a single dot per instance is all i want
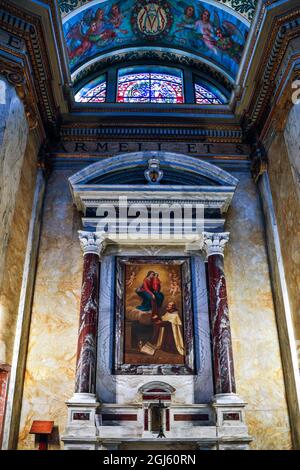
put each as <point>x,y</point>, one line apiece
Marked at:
<point>287,208</point>
<point>9,297</point>
<point>258,368</point>
<point>50,369</point>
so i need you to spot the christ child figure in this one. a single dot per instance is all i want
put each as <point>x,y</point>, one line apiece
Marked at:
<point>156,285</point>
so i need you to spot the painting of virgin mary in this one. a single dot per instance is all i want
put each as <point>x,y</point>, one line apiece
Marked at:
<point>150,293</point>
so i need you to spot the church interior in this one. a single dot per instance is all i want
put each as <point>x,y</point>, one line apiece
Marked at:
<point>149,237</point>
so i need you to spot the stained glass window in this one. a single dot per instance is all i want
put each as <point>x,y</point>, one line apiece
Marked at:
<point>92,92</point>
<point>204,95</point>
<point>146,85</point>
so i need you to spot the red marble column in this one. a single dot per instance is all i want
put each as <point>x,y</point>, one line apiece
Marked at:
<point>91,244</point>
<point>4,379</point>
<point>214,244</point>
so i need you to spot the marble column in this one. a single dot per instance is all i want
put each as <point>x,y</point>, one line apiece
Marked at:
<point>214,244</point>
<point>92,246</point>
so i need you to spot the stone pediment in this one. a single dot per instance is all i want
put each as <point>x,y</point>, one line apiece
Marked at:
<point>184,179</point>
<point>180,180</point>
<point>182,176</point>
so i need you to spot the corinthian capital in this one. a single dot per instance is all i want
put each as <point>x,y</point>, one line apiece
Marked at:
<point>91,242</point>
<point>214,243</point>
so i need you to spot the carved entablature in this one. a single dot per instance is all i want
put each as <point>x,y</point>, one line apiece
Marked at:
<point>116,189</point>
<point>285,94</point>
<point>266,95</point>
<point>25,63</point>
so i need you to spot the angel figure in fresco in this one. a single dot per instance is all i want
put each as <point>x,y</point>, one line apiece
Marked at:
<point>77,41</point>
<point>87,40</point>
<point>91,30</point>
<point>103,31</point>
<point>197,25</point>
<point>218,36</point>
<point>205,29</point>
<point>188,19</point>
<point>116,18</point>
<point>226,44</point>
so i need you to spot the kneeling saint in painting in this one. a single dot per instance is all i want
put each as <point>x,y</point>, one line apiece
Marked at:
<point>168,331</point>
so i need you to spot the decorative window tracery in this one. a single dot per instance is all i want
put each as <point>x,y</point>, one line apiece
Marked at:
<point>92,92</point>
<point>204,96</point>
<point>151,84</point>
<point>156,85</point>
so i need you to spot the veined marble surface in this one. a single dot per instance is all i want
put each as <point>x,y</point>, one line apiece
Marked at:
<point>11,285</point>
<point>286,201</point>
<point>13,139</point>
<point>292,138</point>
<point>50,369</point>
<point>256,354</point>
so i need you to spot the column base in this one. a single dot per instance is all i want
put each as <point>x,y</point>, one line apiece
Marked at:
<point>232,430</point>
<point>81,424</point>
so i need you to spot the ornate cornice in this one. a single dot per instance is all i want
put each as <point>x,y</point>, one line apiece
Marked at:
<point>283,30</point>
<point>282,98</point>
<point>256,28</point>
<point>245,8</point>
<point>188,111</point>
<point>16,76</point>
<point>93,133</point>
<point>28,27</point>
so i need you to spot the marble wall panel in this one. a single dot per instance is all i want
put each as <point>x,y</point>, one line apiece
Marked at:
<point>50,370</point>
<point>12,280</point>
<point>287,208</point>
<point>257,361</point>
<point>292,139</point>
<point>13,139</point>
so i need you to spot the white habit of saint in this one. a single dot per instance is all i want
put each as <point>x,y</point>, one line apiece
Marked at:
<point>174,319</point>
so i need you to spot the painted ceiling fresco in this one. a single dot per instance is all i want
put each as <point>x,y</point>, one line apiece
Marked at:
<point>245,7</point>
<point>207,30</point>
